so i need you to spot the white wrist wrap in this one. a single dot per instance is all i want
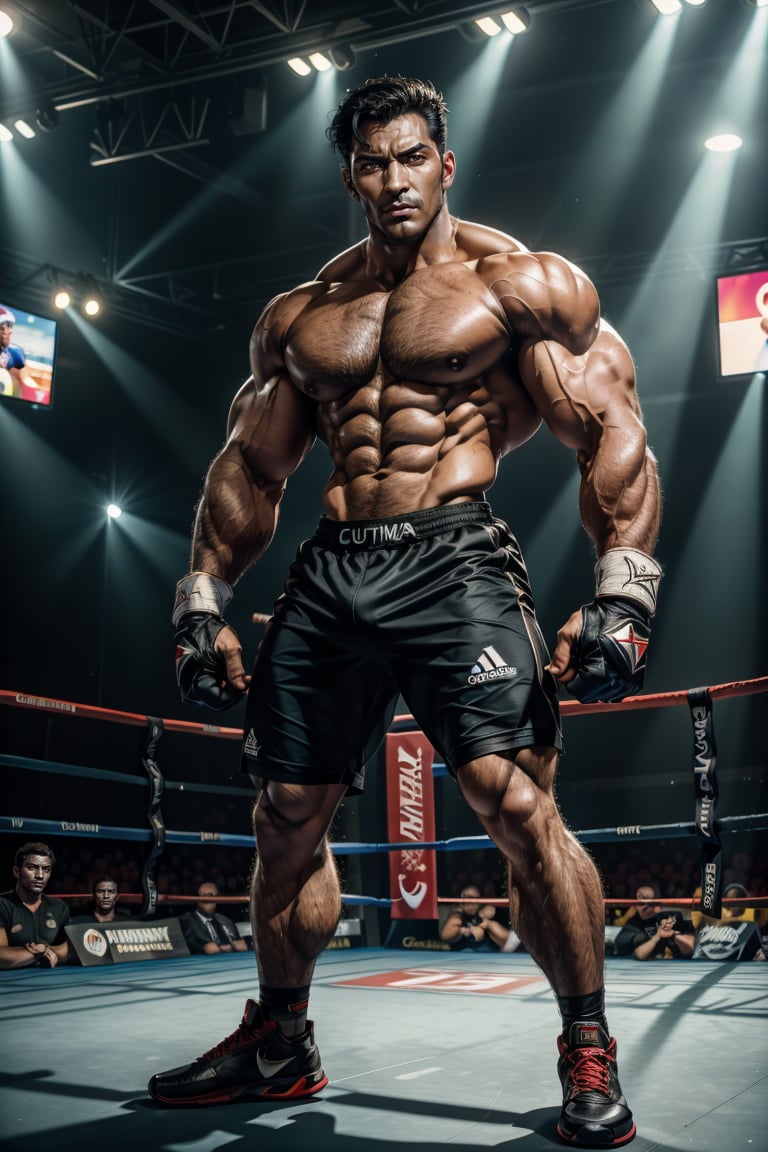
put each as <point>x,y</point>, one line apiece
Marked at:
<point>627,572</point>
<point>200,592</point>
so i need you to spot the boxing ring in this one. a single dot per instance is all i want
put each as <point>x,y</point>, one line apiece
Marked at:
<point>406,1068</point>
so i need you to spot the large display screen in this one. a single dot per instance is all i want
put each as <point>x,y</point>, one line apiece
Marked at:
<point>742,323</point>
<point>27,355</point>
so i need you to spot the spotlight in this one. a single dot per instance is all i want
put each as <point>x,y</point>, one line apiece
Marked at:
<point>488,25</point>
<point>320,61</point>
<point>6,23</point>
<point>725,142</point>
<point>91,306</point>
<point>113,511</point>
<point>667,7</point>
<point>24,129</point>
<point>5,134</point>
<point>299,66</point>
<point>47,117</point>
<point>62,299</point>
<point>343,58</point>
<point>516,21</point>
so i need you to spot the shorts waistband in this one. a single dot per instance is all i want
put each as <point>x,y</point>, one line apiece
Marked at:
<point>391,531</point>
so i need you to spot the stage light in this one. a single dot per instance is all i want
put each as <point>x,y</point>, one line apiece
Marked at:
<point>488,25</point>
<point>91,306</point>
<point>667,7</point>
<point>5,134</point>
<point>696,3</point>
<point>516,21</point>
<point>724,142</point>
<point>24,129</point>
<point>113,511</point>
<point>299,66</point>
<point>62,299</point>
<point>343,58</point>
<point>6,23</point>
<point>47,117</point>
<point>320,62</point>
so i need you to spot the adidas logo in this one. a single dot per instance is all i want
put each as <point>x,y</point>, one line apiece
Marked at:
<point>251,746</point>
<point>489,666</point>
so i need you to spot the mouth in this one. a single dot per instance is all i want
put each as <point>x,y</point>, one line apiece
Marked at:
<point>400,210</point>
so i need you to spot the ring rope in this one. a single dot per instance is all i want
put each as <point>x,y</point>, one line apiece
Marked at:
<point>752,823</point>
<point>567,707</point>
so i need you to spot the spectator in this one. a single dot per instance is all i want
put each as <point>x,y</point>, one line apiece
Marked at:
<point>652,932</point>
<point>475,927</point>
<point>637,920</point>
<point>207,930</point>
<point>104,908</point>
<point>31,923</point>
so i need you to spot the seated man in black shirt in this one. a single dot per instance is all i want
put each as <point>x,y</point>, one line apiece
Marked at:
<point>31,923</point>
<point>104,908</point>
<point>652,932</point>
<point>474,926</point>
<point>206,930</point>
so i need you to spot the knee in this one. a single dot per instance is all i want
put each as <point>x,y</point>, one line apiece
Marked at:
<point>280,807</point>
<point>502,793</point>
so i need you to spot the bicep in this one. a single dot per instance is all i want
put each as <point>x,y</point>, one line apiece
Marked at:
<point>271,428</point>
<point>581,397</point>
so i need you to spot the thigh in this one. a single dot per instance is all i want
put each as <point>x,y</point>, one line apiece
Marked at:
<point>319,700</point>
<point>479,685</point>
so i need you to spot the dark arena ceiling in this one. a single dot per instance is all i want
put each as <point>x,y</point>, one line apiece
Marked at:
<point>185,165</point>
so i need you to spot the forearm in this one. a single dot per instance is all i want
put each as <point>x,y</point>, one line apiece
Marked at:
<point>619,498</point>
<point>451,930</point>
<point>12,957</point>
<point>645,950</point>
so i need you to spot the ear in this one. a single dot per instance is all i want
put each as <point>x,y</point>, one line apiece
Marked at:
<point>346,176</point>
<point>449,169</point>
<point>16,872</point>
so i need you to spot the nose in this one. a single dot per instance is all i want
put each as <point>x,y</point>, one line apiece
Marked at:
<point>397,177</point>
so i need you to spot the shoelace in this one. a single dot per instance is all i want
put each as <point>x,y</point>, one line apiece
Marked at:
<point>241,1035</point>
<point>589,1070</point>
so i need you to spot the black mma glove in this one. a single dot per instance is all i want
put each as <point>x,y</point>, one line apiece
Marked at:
<point>609,657</point>
<point>197,614</point>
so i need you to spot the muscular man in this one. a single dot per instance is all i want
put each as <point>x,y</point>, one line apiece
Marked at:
<point>31,923</point>
<point>421,356</point>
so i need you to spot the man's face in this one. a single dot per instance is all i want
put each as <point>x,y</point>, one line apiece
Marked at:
<point>399,177</point>
<point>207,901</point>
<point>6,333</point>
<point>470,894</point>
<point>33,875</point>
<point>105,896</point>
<point>649,907</point>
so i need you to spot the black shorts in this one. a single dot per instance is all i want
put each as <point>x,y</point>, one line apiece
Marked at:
<point>434,605</point>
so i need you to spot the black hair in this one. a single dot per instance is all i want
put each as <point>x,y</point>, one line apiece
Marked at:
<point>105,879</point>
<point>382,100</point>
<point>33,848</point>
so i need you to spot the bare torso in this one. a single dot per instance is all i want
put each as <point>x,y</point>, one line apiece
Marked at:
<point>417,385</point>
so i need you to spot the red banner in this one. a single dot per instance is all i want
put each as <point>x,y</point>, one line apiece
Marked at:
<point>411,817</point>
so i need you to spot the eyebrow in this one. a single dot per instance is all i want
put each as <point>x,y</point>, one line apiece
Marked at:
<point>420,147</point>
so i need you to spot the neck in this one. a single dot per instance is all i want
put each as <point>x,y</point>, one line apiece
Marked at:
<point>31,899</point>
<point>389,263</point>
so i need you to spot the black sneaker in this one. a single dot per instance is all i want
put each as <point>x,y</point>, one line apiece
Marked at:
<point>256,1060</point>
<point>595,1113</point>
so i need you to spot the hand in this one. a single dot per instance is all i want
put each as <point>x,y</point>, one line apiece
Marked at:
<point>600,651</point>
<point>209,661</point>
